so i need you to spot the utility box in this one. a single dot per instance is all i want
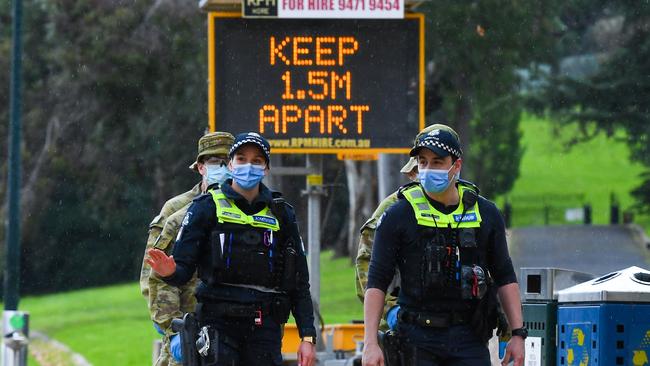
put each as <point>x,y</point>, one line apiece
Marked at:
<point>606,321</point>
<point>539,289</point>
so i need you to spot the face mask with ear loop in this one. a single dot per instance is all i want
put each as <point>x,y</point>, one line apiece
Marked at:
<point>215,173</point>
<point>435,180</point>
<point>247,175</point>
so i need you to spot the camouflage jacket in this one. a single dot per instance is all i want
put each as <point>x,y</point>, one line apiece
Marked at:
<point>167,302</point>
<point>155,228</point>
<point>363,256</point>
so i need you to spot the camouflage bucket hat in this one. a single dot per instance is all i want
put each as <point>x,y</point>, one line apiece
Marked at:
<point>215,143</point>
<point>410,165</point>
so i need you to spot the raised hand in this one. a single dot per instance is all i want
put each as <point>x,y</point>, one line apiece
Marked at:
<point>162,264</point>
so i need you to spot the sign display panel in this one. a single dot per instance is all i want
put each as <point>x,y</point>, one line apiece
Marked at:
<point>321,9</point>
<point>318,86</point>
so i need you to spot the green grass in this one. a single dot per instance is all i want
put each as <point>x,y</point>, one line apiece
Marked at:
<point>108,326</point>
<point>569,178</point>
<point>111,326</point>
<point>339,303</point>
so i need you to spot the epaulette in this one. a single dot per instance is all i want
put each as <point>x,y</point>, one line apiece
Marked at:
<point>278,200</point>
<point>470,185</point>
<point>202,196</point>
<point>401,189</point>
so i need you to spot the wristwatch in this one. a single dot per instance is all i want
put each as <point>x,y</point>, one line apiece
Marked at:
<point>309,339</point>
<point>521,332</point>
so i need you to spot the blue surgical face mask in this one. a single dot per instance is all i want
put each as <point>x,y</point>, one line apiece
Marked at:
<point>248,175</point>
<point>215,174</point>
<point>434,180</point>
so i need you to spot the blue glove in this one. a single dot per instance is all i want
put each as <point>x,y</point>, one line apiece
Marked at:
<point>158,329</point>
<point>175,347</point>
<point>391,317</point>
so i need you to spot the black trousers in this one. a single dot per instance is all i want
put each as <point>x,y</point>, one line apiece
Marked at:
<point>453,346</point>
<point>242,343</point>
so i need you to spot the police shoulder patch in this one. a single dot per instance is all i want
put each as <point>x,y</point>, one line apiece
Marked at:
<point>186,219</point>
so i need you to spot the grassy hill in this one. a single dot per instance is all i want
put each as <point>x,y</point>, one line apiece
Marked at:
<point>554,175</point>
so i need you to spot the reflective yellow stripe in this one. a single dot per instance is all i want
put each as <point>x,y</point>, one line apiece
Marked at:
<point>227,211</point>
<point>427,215</point>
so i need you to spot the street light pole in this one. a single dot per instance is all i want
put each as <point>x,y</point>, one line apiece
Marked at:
<point>15,328</point>
<point>11,279</point>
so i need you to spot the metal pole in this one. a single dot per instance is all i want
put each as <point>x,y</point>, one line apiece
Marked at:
<point>314,165</point>
<point>11,279</point>
<point>15,325</point>
<point>314,192</point>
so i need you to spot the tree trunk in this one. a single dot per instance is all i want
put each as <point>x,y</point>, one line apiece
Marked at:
<point>352,175</point>
<point>363,200</point>
<point>369,196</point>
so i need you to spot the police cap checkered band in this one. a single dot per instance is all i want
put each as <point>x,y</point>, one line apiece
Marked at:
<point>252,138</point>
<point>440,141</point>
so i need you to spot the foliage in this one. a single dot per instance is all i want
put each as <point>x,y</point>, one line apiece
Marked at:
<point>474,50</point>
<point>104,84</point>
<point>617,95</point>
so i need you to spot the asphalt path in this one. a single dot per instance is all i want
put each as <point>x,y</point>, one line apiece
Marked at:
<point>596,249</point>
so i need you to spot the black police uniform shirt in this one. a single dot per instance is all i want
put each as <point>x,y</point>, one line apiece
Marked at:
<point>201,220</point>
<point>398,228</point>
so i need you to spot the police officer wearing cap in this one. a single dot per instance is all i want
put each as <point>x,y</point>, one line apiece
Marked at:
<point>244,241</point>
<point>449,245</point>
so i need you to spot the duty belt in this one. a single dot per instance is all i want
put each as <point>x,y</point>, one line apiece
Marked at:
<point>433,320</point>
<point>233,310</point>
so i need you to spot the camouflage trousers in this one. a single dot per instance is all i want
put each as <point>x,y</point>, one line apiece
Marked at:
<point>165,358</point>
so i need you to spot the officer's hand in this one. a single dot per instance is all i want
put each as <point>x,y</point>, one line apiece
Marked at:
<point>306,354</point>
<point>161,264</point>
<point>514,352</point>
<point>372,355</point>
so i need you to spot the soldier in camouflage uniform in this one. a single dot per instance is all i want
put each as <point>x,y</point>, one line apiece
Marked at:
<point>168,302</point>
<point>368,234</point>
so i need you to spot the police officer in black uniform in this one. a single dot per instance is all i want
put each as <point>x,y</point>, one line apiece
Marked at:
<point>450,247</point>
<point>244,241</point>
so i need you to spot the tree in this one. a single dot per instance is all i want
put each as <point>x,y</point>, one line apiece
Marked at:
<point>107,86</point>
<point>617,95</point>
<point>474,50</point>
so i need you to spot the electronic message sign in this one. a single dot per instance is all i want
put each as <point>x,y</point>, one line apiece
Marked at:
<point>318,86</point>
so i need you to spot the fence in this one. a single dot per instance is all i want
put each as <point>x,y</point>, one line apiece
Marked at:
<point>557,209</point>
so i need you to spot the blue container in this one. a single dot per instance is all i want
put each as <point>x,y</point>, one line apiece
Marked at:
<point>607,334</point>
